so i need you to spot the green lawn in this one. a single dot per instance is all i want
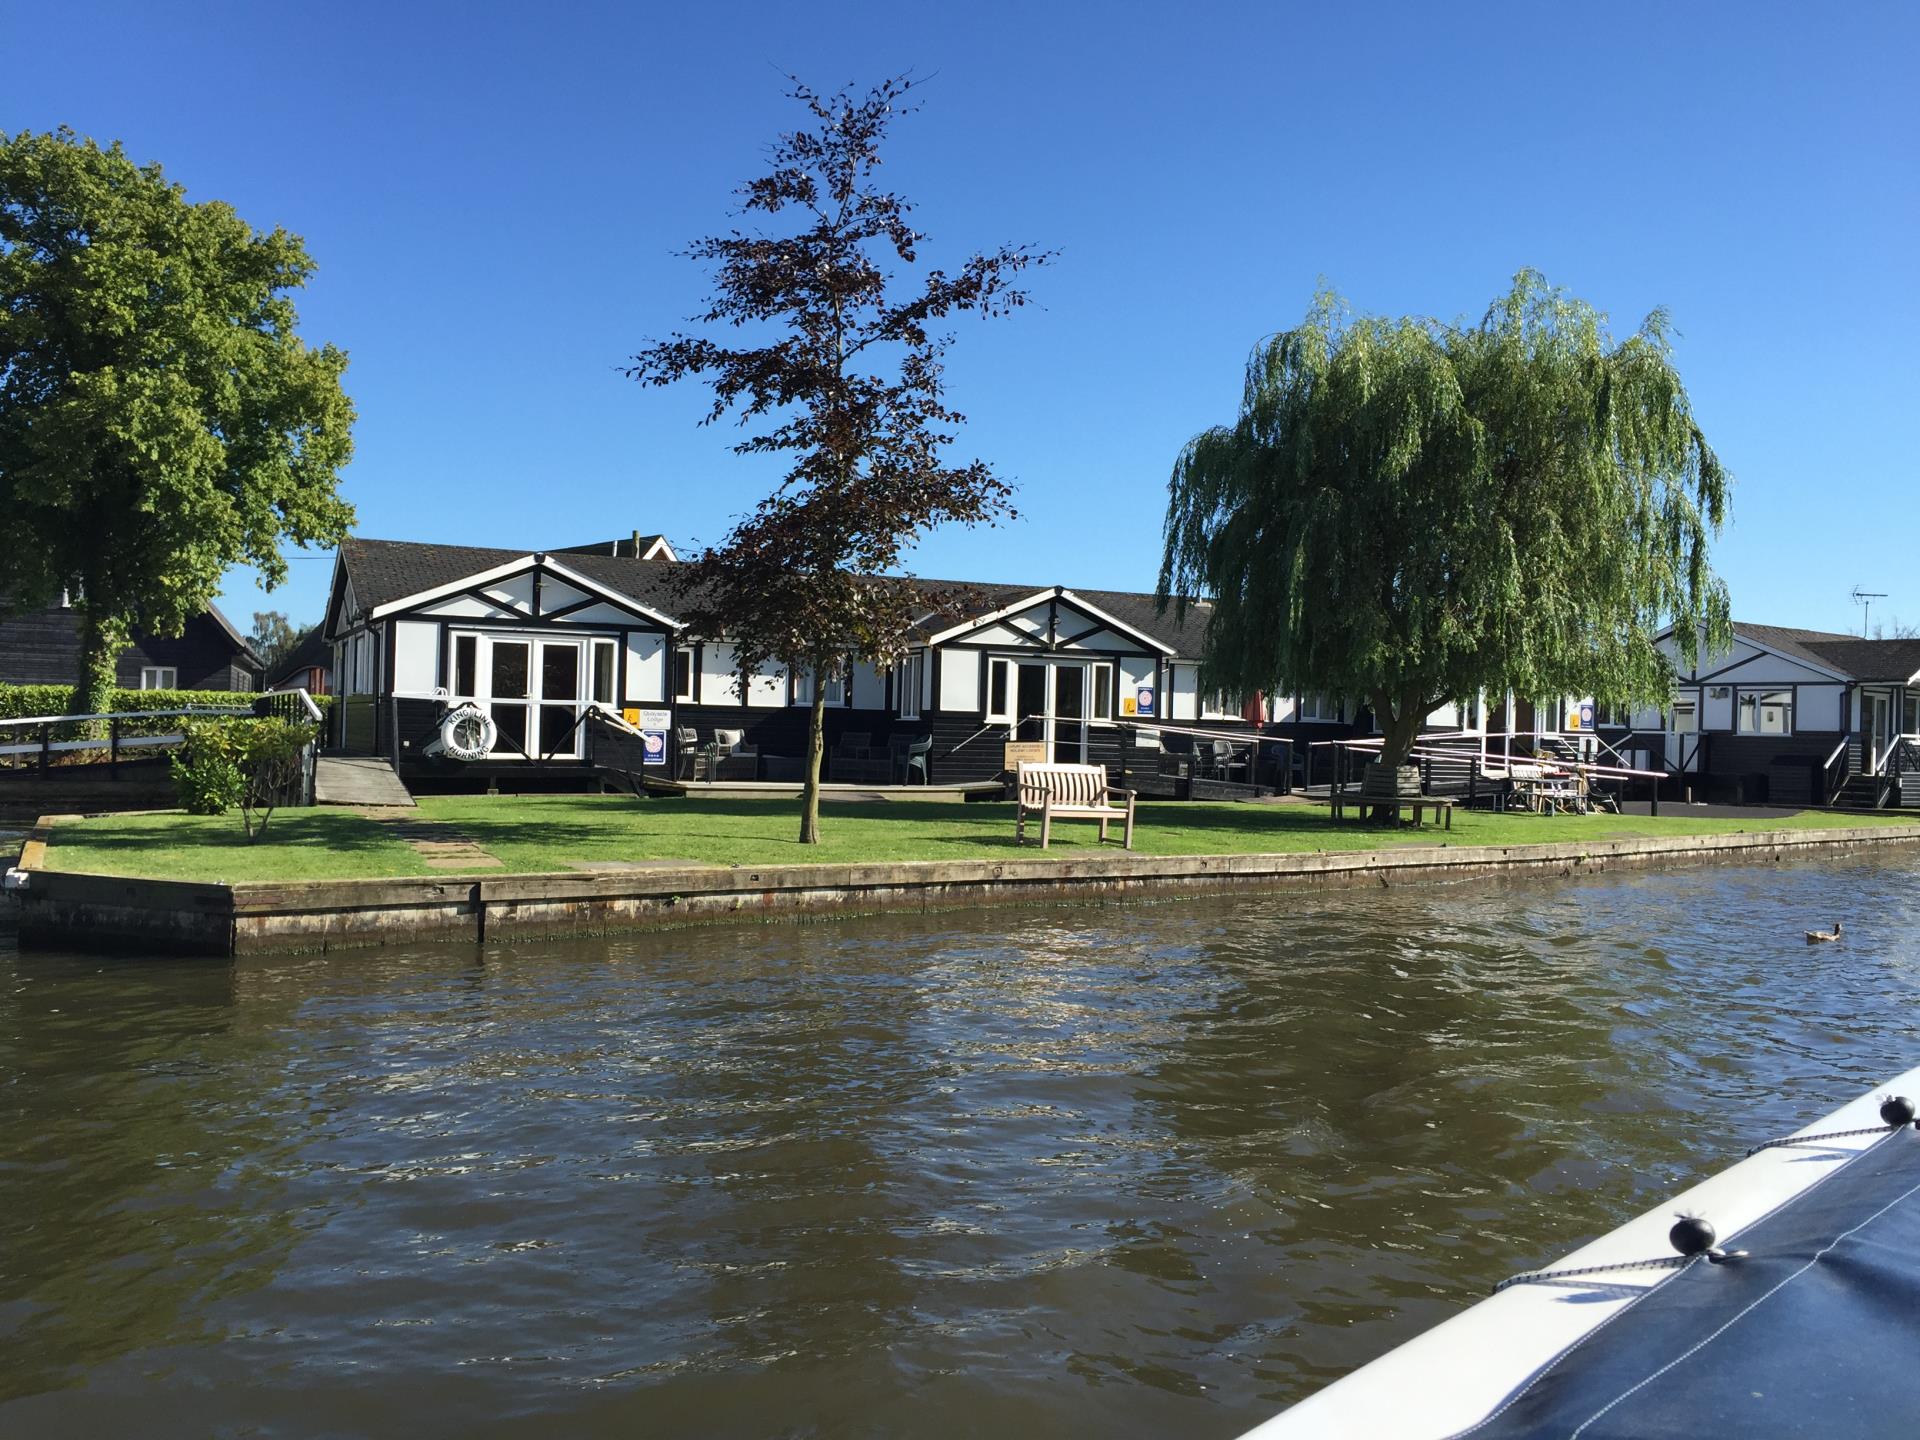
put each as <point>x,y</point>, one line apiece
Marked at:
<point>559,832</point>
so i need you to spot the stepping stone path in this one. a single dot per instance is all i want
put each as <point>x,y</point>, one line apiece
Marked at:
<point>435,841</point>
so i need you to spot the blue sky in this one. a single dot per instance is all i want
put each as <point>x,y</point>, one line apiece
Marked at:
<point>494,194</point>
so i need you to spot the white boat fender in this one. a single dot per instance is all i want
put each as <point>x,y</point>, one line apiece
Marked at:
<point>466,732</point>
<point>1896,1111</point>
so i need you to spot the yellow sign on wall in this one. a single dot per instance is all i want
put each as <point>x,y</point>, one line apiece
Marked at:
<point>1128,706</point>
<point>631,715</point>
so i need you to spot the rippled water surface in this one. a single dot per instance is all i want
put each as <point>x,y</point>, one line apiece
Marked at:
<point>1132,1170</point>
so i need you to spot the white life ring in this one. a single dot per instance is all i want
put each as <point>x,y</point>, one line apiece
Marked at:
<point>467,733</point>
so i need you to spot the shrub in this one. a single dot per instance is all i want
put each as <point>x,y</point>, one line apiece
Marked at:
<point>272,754</point>
<point>206,767</point>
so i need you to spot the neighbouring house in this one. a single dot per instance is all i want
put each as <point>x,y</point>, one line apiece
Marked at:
<point>1791,717</point>
<point>42,647</point>
<point>308,668</point>
<point>534,638</point>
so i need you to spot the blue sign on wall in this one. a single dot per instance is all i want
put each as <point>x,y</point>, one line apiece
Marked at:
<point>655,742</point>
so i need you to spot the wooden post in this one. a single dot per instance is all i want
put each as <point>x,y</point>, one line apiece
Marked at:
<point>46,746</point>
<point>113,747</point>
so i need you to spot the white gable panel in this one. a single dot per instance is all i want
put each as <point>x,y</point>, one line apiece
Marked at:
<point>1099,640</point>
<point>516,591</point>
<point>646,669</point>
<point>1007,635</point>
<point>556,593</point>
<point>416,657</point>
<point>470,607</point>
<point>602,614</point>
<point>960,680</point>
<point>1763,668</point>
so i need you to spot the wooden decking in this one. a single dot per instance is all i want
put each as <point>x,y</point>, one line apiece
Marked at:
<point>778,789</point>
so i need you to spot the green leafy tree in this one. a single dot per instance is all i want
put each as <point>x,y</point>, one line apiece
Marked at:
<point>849,382</point>
<point>275,638</point>
<point>1408,513</point>
<point>160,419</point>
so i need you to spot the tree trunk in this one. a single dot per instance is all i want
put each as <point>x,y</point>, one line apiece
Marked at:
<point>816,749</point>
<point>101,641</point>
<point>1399,728</point>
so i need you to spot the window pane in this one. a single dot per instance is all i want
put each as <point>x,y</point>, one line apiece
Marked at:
<point>997,688</point>
<point>557,733</point>
<point>1103,692</point>
<point>464,664</point>
<point>603,667</point>
<point>510,670</point>
<point>511,722</point>
<point>559,672</point>
<point>1030,702</point>
<point>683,674</point>
<point>1069,692</point>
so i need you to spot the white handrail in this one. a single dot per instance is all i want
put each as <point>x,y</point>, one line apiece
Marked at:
<point>131,715</point>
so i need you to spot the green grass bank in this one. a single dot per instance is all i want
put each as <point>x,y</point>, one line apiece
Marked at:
<point>531,834</point>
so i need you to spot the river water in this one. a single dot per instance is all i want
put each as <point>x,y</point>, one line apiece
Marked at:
<point>1142,1169</point>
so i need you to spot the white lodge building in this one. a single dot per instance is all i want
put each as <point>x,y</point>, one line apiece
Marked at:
<point>1793,717</point>
<point>535,638</point>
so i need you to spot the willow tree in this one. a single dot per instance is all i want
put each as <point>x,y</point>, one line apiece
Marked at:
<point>842,371</point>
<point>160,418</point>
<point>1408,513</point>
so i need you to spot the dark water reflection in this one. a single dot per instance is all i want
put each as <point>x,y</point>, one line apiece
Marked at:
<point>1119,1171</point>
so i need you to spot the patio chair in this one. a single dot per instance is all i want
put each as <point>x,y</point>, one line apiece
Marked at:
<point>690,760</point>
<point>735,760</point>
<point>916,756</point>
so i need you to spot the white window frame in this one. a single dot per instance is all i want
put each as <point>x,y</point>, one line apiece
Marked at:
<point>595,645</point>
<point>693,672</point>
<point>1317,705</point>
<point>839,688</point>
<point>1759,696</point>
<point>1690,703</point>
<point>907,673</point>
<point>159,677</point>
<point>1004,715</point>
<point>1100,683</point>
<point>1214,706</point>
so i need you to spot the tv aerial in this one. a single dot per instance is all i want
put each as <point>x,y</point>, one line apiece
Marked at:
<point>1864,599</point>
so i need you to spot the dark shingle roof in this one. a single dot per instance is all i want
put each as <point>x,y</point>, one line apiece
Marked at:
<point>1795,643</point>
<point>311,652</point>
<point>1852,656</point>
<point>1894,660</point>
<point>383,571</point>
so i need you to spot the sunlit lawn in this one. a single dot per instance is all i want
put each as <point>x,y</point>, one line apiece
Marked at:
<point>561,832</point>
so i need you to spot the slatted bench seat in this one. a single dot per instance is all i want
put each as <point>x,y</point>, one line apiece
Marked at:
<point>1070,792</point>
<point>1382,789</point>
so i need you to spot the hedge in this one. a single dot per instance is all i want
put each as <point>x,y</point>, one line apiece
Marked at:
<point>17,702</point>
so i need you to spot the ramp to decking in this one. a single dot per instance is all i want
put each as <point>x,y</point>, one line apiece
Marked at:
<point>357,780</point>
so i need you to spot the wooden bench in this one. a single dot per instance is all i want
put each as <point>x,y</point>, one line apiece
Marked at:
<point>1386,789</point>
<point>1070,792</point>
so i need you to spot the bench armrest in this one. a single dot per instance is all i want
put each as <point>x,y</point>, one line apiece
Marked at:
<point>1123,794</point>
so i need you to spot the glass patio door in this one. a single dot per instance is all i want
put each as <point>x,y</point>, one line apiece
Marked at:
<point>560,675</point>
<point>1069,714</point>
<point>534,693</point>
<point>1050,706</point>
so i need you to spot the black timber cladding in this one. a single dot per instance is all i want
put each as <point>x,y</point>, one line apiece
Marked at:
<point>42,647</point>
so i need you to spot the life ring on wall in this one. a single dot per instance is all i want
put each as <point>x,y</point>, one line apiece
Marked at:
<point>466,733</point>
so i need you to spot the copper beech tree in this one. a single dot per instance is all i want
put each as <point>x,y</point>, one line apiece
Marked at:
<point>845,378</point>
